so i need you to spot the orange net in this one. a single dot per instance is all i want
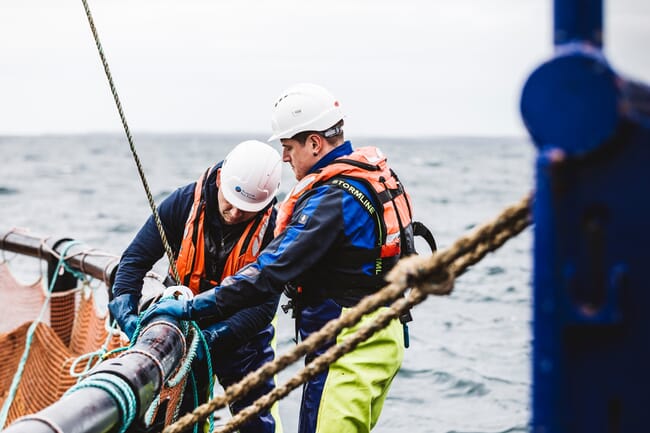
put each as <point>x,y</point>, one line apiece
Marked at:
<point>72,326</point>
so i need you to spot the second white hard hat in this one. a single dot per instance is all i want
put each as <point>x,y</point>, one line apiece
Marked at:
<point>250,175</point>
<point>304,107</point>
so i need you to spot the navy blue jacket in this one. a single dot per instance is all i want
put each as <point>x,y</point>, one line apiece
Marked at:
<point>147,248</point>
<point>326,224</point>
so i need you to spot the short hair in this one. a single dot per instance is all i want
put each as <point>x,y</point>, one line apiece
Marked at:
<point>330,135</point>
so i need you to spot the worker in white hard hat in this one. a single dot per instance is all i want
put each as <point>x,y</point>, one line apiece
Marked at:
<point>215,226</point>
<point>339,231</point>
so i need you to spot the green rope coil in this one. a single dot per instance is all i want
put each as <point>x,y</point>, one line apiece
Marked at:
<point>208,360</point>
<point>118,389</point>
<point>183,369</point>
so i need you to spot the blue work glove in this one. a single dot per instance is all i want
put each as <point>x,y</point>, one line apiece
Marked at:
<point>175,308</point>
<point>202,306</point>
<point>124,309</point>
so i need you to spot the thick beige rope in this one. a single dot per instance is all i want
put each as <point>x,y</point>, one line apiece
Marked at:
<point>426,275</point>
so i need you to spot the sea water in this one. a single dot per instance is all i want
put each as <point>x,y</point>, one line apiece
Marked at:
<point>468,366</point>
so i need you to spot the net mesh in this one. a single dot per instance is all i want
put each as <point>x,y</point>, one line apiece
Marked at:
<point>72,326</point>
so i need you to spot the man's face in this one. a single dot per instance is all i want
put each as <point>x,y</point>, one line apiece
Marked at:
<point>299,156</point>
<point>229,214</point>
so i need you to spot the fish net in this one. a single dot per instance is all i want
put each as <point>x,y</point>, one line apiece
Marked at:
<point>74,325</point>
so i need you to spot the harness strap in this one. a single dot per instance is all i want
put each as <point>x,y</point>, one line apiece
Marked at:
<point>421,230</point>
<point>195,230</point>
<point>251,232</point>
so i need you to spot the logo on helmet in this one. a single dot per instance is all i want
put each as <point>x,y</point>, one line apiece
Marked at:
<point>248,195</point>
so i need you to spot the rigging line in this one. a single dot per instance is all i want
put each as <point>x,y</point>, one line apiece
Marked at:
<point>152,204</point>
<point>432,275</point>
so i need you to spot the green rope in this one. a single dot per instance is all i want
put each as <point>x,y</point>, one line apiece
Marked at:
<point>28,340</point>
<point>152,204</point>
<point>77,274</point>
<point>118,389</point>
<point>90,357</point>
<point>195,395</point>
<point>149,415</point>
<point>186,366</point>
<point>208,360</point>
<point>183,370</point>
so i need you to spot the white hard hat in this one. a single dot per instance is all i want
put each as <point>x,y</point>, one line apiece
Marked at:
<point>250,175</point>
<point>304,107</point>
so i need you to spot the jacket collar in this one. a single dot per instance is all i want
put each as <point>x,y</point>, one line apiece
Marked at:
<point>337,152</point>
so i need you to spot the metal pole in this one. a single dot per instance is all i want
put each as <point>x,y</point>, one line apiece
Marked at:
<point>578,20</point>
<point>98,264</point>
<point>591,329</point>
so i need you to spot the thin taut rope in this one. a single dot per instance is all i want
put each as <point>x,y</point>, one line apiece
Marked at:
<point>152,204</point>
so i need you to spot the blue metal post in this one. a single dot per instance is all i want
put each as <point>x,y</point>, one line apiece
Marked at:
<point>591,319</point>
<point>578,20</point>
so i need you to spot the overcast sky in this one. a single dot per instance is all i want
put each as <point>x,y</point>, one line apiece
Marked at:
<point>400,67</point>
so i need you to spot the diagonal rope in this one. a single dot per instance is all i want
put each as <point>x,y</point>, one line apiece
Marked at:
<point>426,275</point>
<point>152,204</point>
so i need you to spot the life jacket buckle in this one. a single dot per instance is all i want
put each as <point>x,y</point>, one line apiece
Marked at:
<point>406,317</point>
<point>290,305</point>
<point>291,291</point>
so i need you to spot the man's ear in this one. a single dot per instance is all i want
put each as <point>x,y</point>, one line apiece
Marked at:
<point>315,141</point>
<point>218,178</point>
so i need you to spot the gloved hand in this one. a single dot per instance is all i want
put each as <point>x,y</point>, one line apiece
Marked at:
<point>124,309</point>
<point>200,307</point>
<point>218,337</point>
<point>175,308</point>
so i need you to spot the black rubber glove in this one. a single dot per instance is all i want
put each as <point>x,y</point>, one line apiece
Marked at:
<point>219,337</point>
<point>124,309</point>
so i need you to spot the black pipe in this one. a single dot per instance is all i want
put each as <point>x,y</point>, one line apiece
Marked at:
<point>154,358</point>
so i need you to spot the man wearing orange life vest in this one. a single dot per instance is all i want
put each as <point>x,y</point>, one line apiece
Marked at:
<point>215,226</point>
<point>342,227</point>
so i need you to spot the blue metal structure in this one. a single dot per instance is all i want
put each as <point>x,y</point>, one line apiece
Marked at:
<point>591,321</point>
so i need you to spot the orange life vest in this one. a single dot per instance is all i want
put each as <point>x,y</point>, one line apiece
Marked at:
<point>368,165</point>
<point>190,262</point>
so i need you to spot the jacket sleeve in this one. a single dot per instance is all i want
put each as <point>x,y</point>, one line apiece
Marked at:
<point>315,225</point>
<point>146,248</point>
<point>246,323</point>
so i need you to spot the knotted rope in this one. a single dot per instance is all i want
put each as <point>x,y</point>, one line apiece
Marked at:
<point>433,275</point>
